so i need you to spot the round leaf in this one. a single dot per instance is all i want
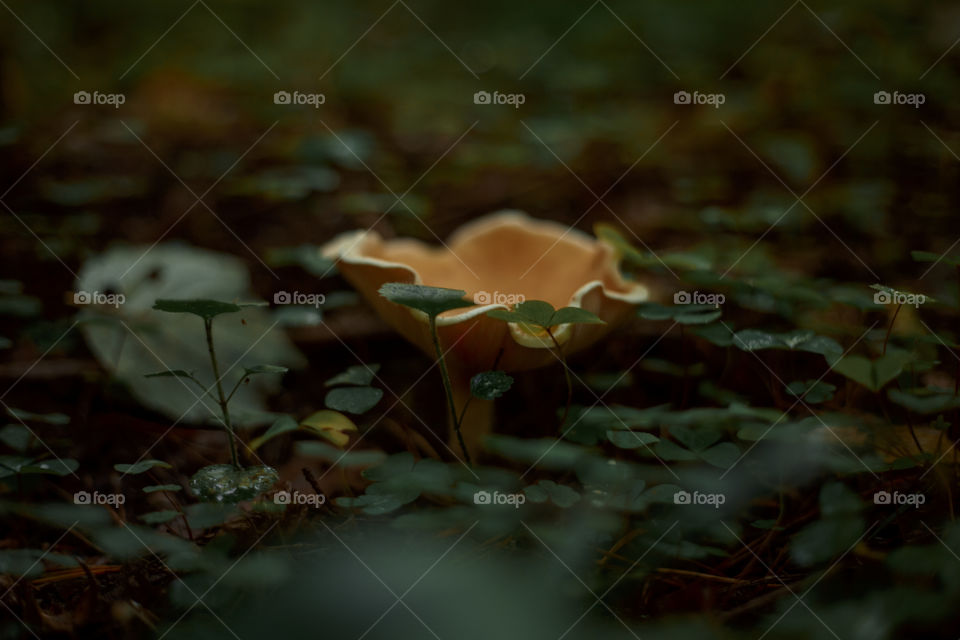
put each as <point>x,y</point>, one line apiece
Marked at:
<point>206,309</point>
<point>574,315</point>
<point>355,400</point>
<point>490,384</point>
<point>360,375</point>
<point>631,439</point>
<point>431,300</point>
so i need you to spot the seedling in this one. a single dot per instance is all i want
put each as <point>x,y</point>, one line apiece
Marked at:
<point>537,316</point>
<point>219,482</point>
<point>433,301</point>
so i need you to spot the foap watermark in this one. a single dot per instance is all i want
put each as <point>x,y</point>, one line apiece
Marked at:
<point>696,297</point>
<point>712,99</point>
<point>314,500</point>
<point>499,499</point>
<point>898,499</point>
<point>97,498</point>
<point>513,99</point>
<point>96,297</point>
<point>98,98</point>
<point>899,297</point>
<point>899,98</point>
<point>299,98</point>
<point>485,297</point>
<point>699,499</point>
<point>295,297</point>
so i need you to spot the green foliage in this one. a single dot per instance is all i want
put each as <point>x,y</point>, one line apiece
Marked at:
<point>283,424</point>
<point>264,368</point>
<point>159,517</point>
<point>25,466</point>
<point>206,309</point>
<point>812,391</point>
<point>631,439</point>
<point>430,300</point>
<point>44,418</point>
<point>354,400</point>
<point>490,385</point>
<point>799,340</point>
<point>155,341</point>
<point>162,487</point>
<point>330,425</point>
<point>177,373</point>
<point>924,401</point>
<point>28,563</point>
<point>548,490</point>
<point>400,480</point>
<point>141,466</point>
<point>698,443</point>
<point>701,211</point>
<point>692,314</point>
<point>840,526</point>
<point>360,375</point>
<point>927,256</point>
<point>872,374</point>
<point>357,397</point>
<point>339,457</point>
<point>538,313</point>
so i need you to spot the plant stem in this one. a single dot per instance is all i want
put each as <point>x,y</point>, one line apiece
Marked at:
<point>448,387</point>
<point>886,338</point>
<point>222,400</point>
<point>566,373</point>
<point>237,387</point>
<point>206,390</point>
<point>466,405</point>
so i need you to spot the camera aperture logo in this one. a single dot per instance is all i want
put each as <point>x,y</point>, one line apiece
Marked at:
<point>696,297</point>
<point>97,98</point>
<point>513,99</point>
<point>96,297</point>
<point>699,499</point>
<point>897,98</point>
<point>298,98</point>
<point>315,500</point>
<point>712,99</point>
<point>295,297</point>
<point>899,298</point>
<point>496,498</point>
<point>485,297</point>
<point>898,499</point>
<point>97,498</point>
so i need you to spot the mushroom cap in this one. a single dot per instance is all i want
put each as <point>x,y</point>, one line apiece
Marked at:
<point>506,254</point>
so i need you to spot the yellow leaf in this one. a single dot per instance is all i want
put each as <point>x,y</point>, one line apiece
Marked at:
<point>331,425</point>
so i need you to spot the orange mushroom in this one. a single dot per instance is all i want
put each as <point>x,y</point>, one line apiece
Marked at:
<point>500,259</point>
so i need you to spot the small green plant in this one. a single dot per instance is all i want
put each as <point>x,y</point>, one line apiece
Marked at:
<point>31,458</point>
<point>433,301</point>
<point>539,317</point>
<point>221,482</point>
